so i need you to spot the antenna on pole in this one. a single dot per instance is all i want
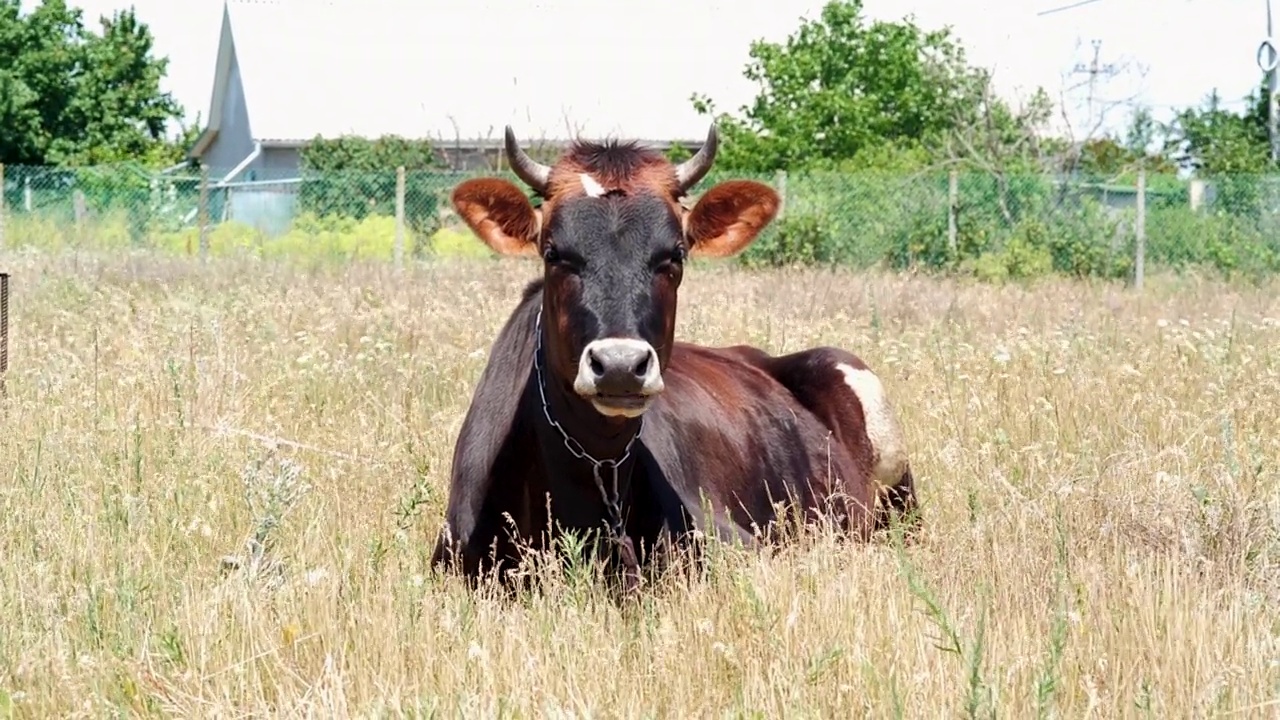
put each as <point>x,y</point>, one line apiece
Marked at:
<point>1093,70</point>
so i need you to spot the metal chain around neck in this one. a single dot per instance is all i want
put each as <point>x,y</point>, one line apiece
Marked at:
<point>610,496</point>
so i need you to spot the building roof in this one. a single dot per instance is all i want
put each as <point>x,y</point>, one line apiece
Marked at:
<point>457,70</point>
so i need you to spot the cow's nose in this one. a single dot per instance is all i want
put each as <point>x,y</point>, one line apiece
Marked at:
<point>619,367</point>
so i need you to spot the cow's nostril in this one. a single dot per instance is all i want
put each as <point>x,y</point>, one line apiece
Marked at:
<point>642,367</point>
<point>597,367</point>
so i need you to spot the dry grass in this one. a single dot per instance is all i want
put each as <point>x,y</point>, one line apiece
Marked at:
<point>1099,473</point>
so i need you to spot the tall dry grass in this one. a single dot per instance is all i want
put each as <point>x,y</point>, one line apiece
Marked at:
<point>1099,473</point>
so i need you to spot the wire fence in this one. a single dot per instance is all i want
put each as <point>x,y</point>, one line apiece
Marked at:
<point>992,224</point>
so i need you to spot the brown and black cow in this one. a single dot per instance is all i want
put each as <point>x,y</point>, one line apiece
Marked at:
<point>591,416</point>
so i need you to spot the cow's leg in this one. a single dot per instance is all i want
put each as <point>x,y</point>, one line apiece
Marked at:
<point>507,520</point>
<point>898,501</point>
<point>486,549</point>
<point>838,387</point>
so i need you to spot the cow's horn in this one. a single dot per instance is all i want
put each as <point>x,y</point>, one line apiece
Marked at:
<point>532,172</point>
<point>689,172</point>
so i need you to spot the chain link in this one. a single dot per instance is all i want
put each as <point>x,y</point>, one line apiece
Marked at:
<point>611,496</point>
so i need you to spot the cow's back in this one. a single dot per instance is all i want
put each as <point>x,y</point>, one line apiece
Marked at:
<point>727,428</point>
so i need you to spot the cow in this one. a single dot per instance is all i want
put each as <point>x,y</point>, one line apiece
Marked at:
<point>589,415</point>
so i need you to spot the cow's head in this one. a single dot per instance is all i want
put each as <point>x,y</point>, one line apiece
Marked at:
<point>613,237</point>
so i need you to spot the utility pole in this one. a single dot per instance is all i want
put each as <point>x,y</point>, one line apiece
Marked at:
<point>1093,70</point>
<point>1268,65</point>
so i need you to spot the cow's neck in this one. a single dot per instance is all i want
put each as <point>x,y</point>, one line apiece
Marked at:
<point>582,428</point>
<point>602,438</point>
<point>581,447</point>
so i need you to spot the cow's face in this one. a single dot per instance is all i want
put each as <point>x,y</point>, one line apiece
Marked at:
<point>613,240</point>
<point>612,266</point>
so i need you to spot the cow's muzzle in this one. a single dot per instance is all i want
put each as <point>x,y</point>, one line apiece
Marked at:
<point>619,376</point>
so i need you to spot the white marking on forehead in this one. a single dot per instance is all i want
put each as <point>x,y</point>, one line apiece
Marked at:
<point>590,186</point>
<point>887,445</point>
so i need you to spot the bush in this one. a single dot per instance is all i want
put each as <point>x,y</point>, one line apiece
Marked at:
<point>310,238</point>
<point>109,231</point>
<point>126,201</point>
<point>1021,258</point>
<point>450,242</point>
<point>1025,227</point>
<point>797,239</point>
<point>1179,238</point>
<point>1020,227</point>
<point>355,177</point>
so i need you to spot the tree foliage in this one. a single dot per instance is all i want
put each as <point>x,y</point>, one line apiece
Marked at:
<point>842,92</point>
<point>355,177</point>
<point>350,153</point>
<point>840,87</point>
<point>1231,149</point>
<point>1213,141</point>
<point>867,118</point>
<point>72,96</point>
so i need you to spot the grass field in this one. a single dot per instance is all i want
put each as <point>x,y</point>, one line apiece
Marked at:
<point>1099,474</point>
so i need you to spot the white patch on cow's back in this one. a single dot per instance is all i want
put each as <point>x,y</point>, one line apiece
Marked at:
<point>887,445</point>
<point>590,186</point>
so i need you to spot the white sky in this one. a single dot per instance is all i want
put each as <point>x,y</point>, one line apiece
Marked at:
<point>1184,47</point>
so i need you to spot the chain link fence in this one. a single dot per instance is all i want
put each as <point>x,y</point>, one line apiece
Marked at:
<point>980,222</point>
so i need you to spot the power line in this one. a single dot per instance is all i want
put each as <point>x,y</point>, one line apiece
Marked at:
<point>1073,5</point>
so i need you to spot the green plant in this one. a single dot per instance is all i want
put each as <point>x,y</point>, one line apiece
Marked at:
<point>459,242</point>
<point>796,239</point>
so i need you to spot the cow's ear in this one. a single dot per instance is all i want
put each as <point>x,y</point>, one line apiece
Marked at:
<point>499,214</point>
<point>728,217</point>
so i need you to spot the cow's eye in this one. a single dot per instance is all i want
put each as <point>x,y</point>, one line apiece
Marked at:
<point>675,257</point>
<point>566,260</point>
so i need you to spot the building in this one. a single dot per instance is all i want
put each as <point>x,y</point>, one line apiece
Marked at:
<point>455,73</point>
<point>289,70</point>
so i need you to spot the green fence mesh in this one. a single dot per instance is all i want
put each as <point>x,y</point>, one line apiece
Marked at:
<point>1010,224</point>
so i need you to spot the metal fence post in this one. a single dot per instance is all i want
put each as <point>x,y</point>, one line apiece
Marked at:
<point>1140,230</point>
<point>953,208</point>
<point>4,332</point>
<point>399,247</point>
<point>204,212</point>
<point>2,245</point>
<point>780,182</point>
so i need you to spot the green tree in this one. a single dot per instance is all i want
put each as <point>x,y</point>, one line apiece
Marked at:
<point>1213,140</point>
<point>1142,133</point>
<point>70,96</point>
<point>1231,148</point>
<point>1112,157</point>
<point>355,177</point>
<point>840,87</point>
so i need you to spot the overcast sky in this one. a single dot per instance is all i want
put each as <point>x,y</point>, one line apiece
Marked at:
<point>1173,52</point>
